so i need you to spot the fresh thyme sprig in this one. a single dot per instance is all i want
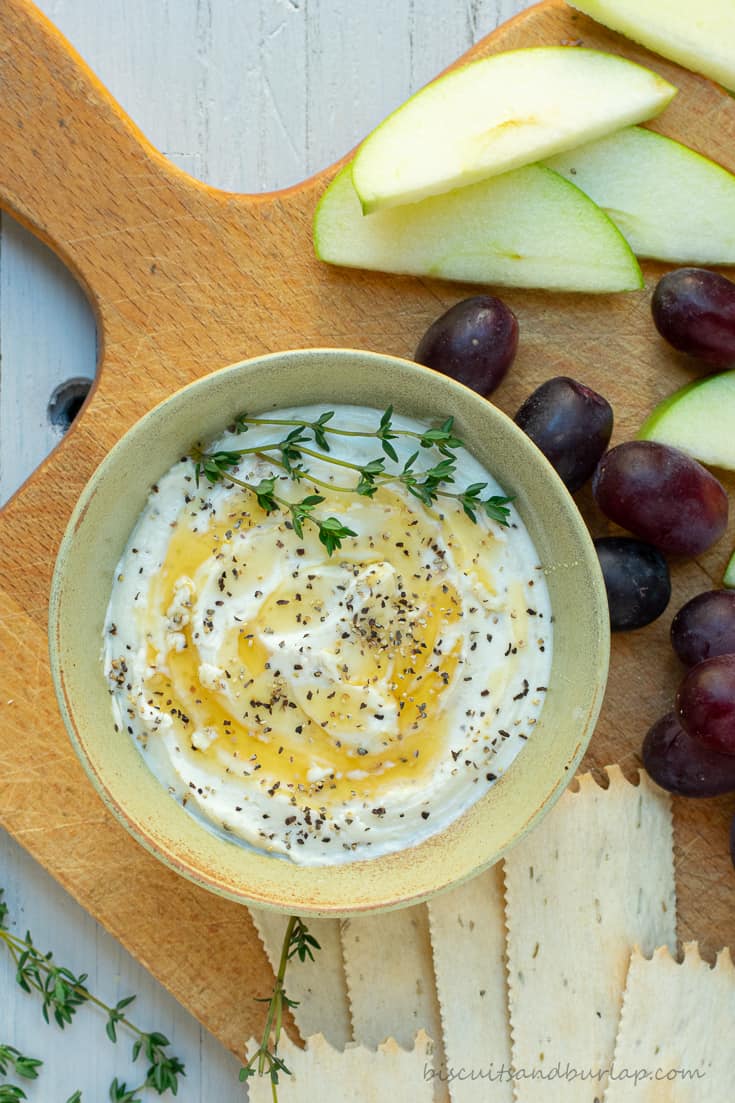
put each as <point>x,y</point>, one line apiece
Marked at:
<point>288,454</point>
<point>62,993</point>
<point>297,942</point>
<point>12,1058</point>
<point>442,436</point>
<point>13,1061</point>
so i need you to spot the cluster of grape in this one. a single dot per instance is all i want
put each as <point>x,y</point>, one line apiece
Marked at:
<point>691,750</point>
<point>668,500</point>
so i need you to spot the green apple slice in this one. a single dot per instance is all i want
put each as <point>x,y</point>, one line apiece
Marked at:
<point>668,201</point>
<point>500,113</point>
<point>699,419</point>
<point>728,579</point>
<point>528,228</point>
<point>699,36</point>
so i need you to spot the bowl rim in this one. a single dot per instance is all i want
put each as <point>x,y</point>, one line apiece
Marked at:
<point>245,894</point>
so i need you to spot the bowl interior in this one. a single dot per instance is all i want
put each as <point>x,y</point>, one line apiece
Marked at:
<point>99,530</point>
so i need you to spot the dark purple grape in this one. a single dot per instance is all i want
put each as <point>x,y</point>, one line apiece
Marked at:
<point>694,310</point>
<point>661,495</point>
<point>636,579</point>
<point>570,424</point>
<point>682,765</point>
<point>474,342</point>
<point>705,627</point>
<point>705,703</point>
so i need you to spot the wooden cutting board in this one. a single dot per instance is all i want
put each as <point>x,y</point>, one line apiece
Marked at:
<point>184,279</point>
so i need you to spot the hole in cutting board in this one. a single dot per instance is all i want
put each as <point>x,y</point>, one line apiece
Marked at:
<point>48,339</point>
<point>66,402</point>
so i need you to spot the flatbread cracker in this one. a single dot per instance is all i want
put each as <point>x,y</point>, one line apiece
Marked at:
<point>595,879</point>
<point>390,980</point>
<point>674,1043</point>
<point>356,1075</point>
<point>318,985</point>
<point>468,942</point>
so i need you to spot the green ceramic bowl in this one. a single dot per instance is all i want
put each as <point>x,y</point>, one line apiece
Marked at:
<point>99,530</point>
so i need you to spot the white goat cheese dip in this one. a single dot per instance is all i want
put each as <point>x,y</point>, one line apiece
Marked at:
<point>326,708</point>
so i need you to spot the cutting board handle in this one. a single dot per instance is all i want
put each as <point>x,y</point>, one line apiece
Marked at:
<point>75,170</point>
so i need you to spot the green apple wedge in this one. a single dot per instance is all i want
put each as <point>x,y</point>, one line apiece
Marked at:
<point>501,113</point>
<point>528,228</point>
<point>699,36</point>
<point>699,419</point>
<point>669,202</point>
<point>728,579</point>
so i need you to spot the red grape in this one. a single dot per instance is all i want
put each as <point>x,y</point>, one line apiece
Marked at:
<point>705,703</point>
<point>661,495</point>
<point>694,310</point>
<point>636,579</point>
<point>571,424</point>
<point>474,342</point>
<point>705,627</point>
<point>682,765</point>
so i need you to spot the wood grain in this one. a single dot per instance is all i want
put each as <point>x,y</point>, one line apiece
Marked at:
<point>184,279</point>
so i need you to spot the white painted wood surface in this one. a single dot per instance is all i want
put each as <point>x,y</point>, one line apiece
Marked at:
<point>248,95</point>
